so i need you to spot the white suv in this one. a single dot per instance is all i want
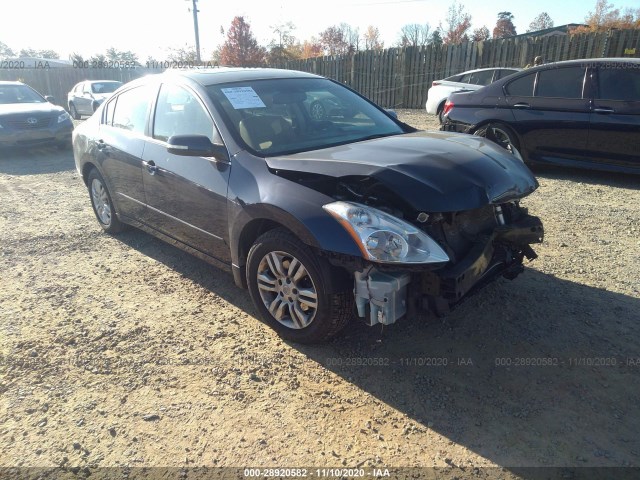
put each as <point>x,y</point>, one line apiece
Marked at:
<point>471,80</point>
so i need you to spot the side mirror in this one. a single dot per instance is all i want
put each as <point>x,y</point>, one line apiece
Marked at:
<point>391,112</point>
<point>196,146</point>
<point>49,99</point>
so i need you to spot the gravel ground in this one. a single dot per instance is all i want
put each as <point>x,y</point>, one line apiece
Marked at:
<point>126,351</point>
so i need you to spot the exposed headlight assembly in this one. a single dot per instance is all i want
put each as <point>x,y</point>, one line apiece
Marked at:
<point>384,238</point>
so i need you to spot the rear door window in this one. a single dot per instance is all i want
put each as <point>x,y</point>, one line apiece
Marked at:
<point>131,109</point>
<point>561,82</point>
<point>522,87</point>
<point>481,78</point>
<point>619,84</point>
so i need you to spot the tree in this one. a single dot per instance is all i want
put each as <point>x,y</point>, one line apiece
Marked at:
<point>372,39</point>
<point>480,34</point>
<point>541,22</point>
<point>128,56</point>
<point>458,23</point>
<point>333,42</point>
<point>605,17</point>
<point>311,48</point>
<point>241,49</point>
<point>186,54</point>
<point>504,26</point>
<point>76,59</point>
<point>285,46</point>
<point>5,51</point>
<point>351,36</point>
<point>436,37</point>
<point>415,35</point>
<point>31,52</point>
<point>98,58</point>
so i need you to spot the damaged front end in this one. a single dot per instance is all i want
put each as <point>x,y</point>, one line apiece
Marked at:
<point>481,245</point>
<point>433,226</point>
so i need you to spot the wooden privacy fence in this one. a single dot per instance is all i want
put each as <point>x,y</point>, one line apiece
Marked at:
<point>400,77</point>
<point>395,77</point>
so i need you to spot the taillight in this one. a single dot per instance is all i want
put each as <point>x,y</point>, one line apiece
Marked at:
<point>433,84</point>
<point>448,105</point>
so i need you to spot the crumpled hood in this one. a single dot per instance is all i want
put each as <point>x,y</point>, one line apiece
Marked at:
<point>29,108</point>
<point>431,171</point>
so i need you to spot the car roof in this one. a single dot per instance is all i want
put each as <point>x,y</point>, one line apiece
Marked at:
<point>485,69</point>
<point>212,76</point>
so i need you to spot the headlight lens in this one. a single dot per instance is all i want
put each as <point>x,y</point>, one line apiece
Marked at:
<point>384,238</point>
<point>63,116</point>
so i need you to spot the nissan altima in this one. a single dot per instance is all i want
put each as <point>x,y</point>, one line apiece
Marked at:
<point>321,219</point>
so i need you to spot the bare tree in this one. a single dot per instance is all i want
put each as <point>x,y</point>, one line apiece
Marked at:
<point>541,22</point>
<point>415,35</point>
<point>458,23</point>
<point>372,39</point>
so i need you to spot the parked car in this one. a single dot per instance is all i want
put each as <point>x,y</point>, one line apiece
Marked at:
<point>85,97</point>
<point>29,119</point>
<point>579,113</point>
<point>322,105</point>
<point>467,81</point>
<point>311,216</point>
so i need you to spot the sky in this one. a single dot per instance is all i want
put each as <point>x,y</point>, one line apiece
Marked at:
<point>151,27</point>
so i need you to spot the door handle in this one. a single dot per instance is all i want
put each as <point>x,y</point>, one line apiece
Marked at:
<point>150,166</point>
<point>521,105</point>
<point>603,110</point>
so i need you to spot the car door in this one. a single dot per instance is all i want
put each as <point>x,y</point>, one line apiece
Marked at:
<point>120,146</point>
<point>551,110</point>
<point>615,119</point>
<point>85,101</point>
<point>187,196</point>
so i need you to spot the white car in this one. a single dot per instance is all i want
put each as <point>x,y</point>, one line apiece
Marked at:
<point>470,80</point>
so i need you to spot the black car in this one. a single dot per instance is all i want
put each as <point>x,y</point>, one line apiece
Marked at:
<point>85,97</point>
<point>578,113</point>
<point>27,119</point>
<point>320,219</point>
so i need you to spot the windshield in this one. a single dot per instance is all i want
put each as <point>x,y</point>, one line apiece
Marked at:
<point>107,87</point>
<point>275,117</point>
<point>19,94</point>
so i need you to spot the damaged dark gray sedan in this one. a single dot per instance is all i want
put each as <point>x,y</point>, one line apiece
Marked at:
<point>322,219</point>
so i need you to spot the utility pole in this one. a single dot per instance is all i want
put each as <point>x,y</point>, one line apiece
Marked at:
<point>194,9</point>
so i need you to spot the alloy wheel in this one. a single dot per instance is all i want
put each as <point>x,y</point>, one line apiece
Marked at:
<point>100,201</point>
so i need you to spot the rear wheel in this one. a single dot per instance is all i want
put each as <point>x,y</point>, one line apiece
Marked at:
<point>503,136</point>
<point>288,285</point>
<point>102,203</point>
<point>317,111</point>
<point>441,113</point>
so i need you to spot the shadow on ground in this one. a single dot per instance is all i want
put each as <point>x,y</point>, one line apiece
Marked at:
<point>540,371</point>
<point>35,161</point>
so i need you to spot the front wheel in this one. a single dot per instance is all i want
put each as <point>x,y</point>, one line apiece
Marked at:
<point>288,285</point>
<point>102,203</point>
<point>503,136</point>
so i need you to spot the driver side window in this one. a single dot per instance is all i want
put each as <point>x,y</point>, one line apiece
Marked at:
<point>179,112</point>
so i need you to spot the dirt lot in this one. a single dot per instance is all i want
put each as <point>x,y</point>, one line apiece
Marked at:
<point>126,351</point>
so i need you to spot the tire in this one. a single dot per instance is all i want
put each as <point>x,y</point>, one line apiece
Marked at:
<point>74,112</point>
<point>503,136</point>
<point>102,203</point>
<point>440,114</point>
<point>283,276</point>
<point>317,111</point>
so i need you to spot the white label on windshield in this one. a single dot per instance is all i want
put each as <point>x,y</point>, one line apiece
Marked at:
<point>243,97</point>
